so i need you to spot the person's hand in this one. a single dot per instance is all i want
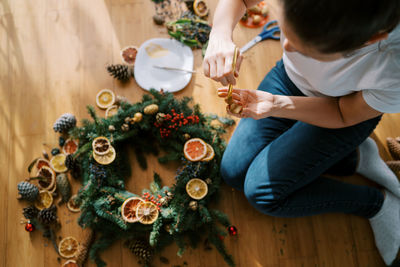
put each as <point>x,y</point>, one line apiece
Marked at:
<point>255,104</point>
<point>218,59</point>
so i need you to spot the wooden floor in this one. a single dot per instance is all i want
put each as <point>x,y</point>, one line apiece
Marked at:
<point>52,59</point>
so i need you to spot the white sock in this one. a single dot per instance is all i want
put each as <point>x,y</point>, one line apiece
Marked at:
<point>374,168</point>
<point>386,227</point>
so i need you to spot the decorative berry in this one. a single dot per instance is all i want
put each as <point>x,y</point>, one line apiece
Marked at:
<point>64,123</point>
<point>29,227</point>
<point>61,141</point>
<point>55,151</point>
<point>232,230</point>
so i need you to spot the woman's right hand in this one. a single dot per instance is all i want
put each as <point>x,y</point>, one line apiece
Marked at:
<point>217,63</point>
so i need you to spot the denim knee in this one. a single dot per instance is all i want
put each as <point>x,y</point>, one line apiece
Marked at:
<point>231,175</point>
<point>264,199</point>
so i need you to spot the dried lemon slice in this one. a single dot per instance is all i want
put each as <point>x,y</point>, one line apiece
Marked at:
<point>49,178</point>
<point>195,149</point>
<point>72,205</point>
<point>111,111</point>
<point>44,200</point>
<point>105,159</point>
<point>68,247</point>
<point>58,163</point>
<point>70,147</point>
<point>210,153</point>
<point>196,188</point>
<point>105,98</point>
<point>101,145</point>
<point>128,209</point>
<point>147,212</point>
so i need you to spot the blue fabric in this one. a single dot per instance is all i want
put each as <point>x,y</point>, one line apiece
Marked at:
<point>280,163</point>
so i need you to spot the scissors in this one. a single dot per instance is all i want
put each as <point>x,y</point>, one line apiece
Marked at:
<point>271,30</point>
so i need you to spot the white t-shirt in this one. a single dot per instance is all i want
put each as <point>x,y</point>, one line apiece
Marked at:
<point>373,69</point>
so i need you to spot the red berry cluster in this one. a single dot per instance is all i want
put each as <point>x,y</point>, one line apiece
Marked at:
<point>148,197</point>
<point>174,122</point>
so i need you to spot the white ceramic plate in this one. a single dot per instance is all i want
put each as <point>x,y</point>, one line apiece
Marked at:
<point>167,53</point>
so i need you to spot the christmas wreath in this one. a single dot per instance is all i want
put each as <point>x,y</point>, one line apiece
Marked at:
<point>96,153</point>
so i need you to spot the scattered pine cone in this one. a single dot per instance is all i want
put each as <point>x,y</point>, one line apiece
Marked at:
<point>28,191</point>
<point>120,72</point>
<point>394,148</point>
<point>141,249</point>
<point>30,212</point>
<point>64,123</point>
<point>84,247</point>
<point>48,216</point>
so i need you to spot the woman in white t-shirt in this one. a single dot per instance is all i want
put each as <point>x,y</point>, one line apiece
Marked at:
<point>313,112</point>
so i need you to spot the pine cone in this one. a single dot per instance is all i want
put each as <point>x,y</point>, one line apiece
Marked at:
<point>394,165</point>
<point>63,187</point>
<point>141,249</point>
<point>84,246</point>
<point>70,162</point>
<point>64,123</point>
<point>120,72</point>
<point>28,191</point>
<point>48,216</point>
<point>30,212</point>
<point>394,148</point>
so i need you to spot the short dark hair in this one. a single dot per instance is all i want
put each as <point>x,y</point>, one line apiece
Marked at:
<point>340,25</point>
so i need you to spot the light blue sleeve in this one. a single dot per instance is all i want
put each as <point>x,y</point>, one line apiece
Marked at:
<point>386,101</point>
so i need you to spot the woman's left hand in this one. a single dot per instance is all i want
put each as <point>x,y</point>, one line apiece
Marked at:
<point>256,104</point>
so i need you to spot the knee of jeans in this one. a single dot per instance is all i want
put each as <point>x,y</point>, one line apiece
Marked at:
<point>266,200</point>
<point>231,175</point>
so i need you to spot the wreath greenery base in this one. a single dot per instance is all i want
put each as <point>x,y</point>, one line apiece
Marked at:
<point>103,186</point>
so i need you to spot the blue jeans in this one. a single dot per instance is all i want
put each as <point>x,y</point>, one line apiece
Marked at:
<point>280,163</point>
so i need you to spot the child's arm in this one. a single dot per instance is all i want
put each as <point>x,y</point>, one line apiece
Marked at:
<point>327,112</point>
<point>217,62</point>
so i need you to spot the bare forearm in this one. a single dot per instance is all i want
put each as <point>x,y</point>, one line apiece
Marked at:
<point>319,111</point>
<point>228,14</point>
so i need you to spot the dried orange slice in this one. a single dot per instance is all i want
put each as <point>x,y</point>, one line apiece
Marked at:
<point>107,158</point>
<point>44,200</point>
<point>210,153</point>
<point>105,98</point>
<point>49,178</point>
<point>70,146</point>
<point>101,145</point>
<point>68,247</point>
<point>147,212</point>
<point>42,162</point>
<point>195,149</point>
<point>128,209</point>
<point>111,111</point>
<point>200,8</point>
<point>72,205</point>
<point>57,163</point>
<point>70,263</point>
<point>128,54</point>
<point>196,188</point>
